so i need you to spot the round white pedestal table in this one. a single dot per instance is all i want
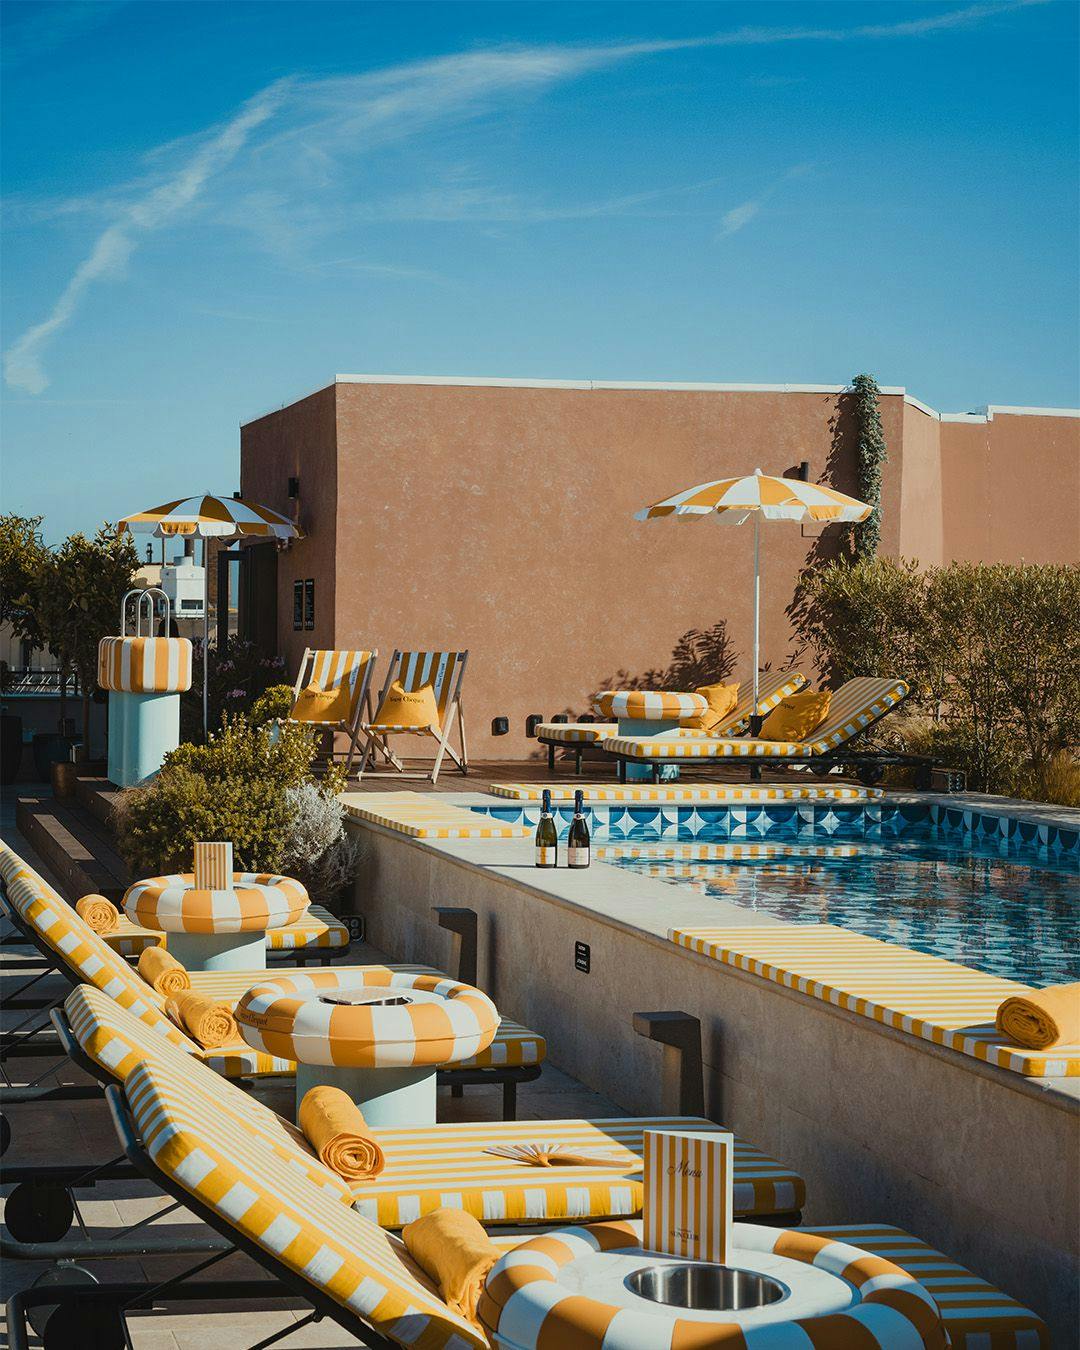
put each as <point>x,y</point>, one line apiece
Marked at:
<point>377,1034</point>
<point>217,929</point>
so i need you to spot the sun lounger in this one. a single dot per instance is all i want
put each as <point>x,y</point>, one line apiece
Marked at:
<point>577,736</point>
<point>415,671</point>
<point>304,1235</point>
<point>855,707</point>
<point>322,673</point>
<point>75,950</point>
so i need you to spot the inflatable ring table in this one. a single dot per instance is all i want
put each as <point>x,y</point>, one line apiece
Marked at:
<point>643,712</point>
<point>596,1287</point>
<point>378,1034</point>
<point>217,930</point>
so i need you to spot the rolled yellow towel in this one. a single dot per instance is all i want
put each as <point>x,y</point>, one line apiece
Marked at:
<point>335,1128</point>
<point>163,972</point>
<point>1043,1018</point>
<point>452,1247</point>
<point>211,1024</point>
<point>98,913</point>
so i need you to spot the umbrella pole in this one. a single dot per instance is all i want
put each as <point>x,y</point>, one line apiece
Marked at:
<point>755,719</point>
<point>206,642</point>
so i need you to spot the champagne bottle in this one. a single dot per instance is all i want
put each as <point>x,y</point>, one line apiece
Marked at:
<point>547,840</point>
<point>577,843</point>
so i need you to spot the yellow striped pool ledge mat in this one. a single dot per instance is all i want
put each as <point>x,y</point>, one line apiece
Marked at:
<point>687,794</point>
<point>926,996</point>
<point>722,852</point>
<point>423,817</point>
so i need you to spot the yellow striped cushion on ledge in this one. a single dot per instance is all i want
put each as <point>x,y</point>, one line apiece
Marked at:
<point>926,996</point>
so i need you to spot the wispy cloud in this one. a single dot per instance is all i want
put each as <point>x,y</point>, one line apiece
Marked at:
<point>286,166</point>
<point>732,221</point>
<point>108,257</point>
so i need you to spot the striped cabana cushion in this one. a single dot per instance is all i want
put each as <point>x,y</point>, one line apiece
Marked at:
<point>445,1165</point>
<point>577,733</point>
<point>925,996</point>
<point>854,707</point>
<point>339,1252</point>
<point>424,817</point>
<point>144,665</point>
<point>646,705</point>
<point>316,927</point>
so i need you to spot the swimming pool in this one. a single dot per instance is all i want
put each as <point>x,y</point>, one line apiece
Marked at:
<point>994,892</point>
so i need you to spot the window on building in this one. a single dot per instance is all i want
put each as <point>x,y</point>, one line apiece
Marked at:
<point>309,603</point>
<point>297,605</point>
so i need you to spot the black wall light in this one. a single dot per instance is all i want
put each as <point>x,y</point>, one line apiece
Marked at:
<point>532,722</point>
<point>560,717</point>
<point>294,487</point>
<point>500,726</point>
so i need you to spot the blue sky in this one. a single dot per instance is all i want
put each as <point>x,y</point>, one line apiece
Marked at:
<point>211,208</point>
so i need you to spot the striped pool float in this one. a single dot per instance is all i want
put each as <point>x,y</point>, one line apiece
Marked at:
<point>528,1302</point>
<point>926,996</point>
<point>447,1021</point>
<point>257,901</point>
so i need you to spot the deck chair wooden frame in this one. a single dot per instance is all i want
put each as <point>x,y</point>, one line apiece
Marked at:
<point>316,666</point>
<point>444,671</point>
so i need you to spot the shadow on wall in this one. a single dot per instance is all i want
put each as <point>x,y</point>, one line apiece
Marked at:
<point>833,542</point>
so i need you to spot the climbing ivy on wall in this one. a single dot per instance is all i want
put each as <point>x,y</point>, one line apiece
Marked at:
<point>872,454</point>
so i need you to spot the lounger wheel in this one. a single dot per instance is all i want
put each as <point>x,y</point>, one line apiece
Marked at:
<point>76,1325</point>
<point>61,1277</point>
<point>5,1134</point>
<point>38,1212</point>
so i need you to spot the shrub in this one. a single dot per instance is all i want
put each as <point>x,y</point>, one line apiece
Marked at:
<point>234,787</point>
<point>992,652</point>
<point>239,676</point>
<point>272,703</point>
<point>320,852</point>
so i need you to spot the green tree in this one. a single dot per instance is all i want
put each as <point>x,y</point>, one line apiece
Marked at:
<point>77,598</point>
<point>22,556</point>
<point>872,454</point>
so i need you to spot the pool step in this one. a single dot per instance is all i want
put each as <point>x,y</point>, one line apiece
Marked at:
<point>690,794</point>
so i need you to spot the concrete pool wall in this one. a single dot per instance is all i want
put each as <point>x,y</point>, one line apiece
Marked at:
<point>884,1127</point>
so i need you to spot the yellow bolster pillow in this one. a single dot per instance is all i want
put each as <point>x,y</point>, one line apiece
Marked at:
<point>321,705</point>
<point>98,913</point>
<point>211,1024</point>
<point>452,1247</point>
<point>335,1128</point>
<point>163,972</point>
<point>1043,1018</point>
<point>722,699</point>
<point>795,717</point>
<point>408,708</point>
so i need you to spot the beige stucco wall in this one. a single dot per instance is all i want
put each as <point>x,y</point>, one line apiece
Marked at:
<point>921,514</point>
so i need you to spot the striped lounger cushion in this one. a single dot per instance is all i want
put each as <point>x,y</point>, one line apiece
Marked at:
<point>317,928</point>
<point>231,1171</point>
<point>577,733</point>
<point>854,707</point>
<point>925,996</point>
<point>428,1167</point>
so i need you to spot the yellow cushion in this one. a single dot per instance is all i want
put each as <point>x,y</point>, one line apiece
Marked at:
<point>795,717</point>
<point>722,700</point>
<point>400,708</point>
<point>321,705</point>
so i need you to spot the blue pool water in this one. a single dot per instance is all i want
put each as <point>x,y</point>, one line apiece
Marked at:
<point>967,901</point>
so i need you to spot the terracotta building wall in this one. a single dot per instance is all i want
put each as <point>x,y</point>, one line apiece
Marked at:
<point>499,518</point>
<point>299,441</point>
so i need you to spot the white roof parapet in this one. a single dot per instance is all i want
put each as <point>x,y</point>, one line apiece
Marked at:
<point>506,382</point>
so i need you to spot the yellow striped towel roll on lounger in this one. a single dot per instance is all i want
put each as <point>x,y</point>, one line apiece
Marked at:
<point>335,1128</point>
<point>99,914</point>
<point>1043,1018</point>
<point>209,1023</point>
<point>162,972</point>
<point>452,1247</point>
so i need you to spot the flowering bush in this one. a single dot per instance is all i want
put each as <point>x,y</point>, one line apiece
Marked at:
<point>239,676</point>
<point>237,787</point>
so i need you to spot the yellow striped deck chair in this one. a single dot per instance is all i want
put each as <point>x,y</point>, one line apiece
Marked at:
<point>855,706</point>
<point>772,687</point>
<point>332,693</point>
<point>447,1164</point>
<point>443,673</point>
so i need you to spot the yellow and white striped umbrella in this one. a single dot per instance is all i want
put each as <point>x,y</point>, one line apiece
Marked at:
<point>774,498</point>
<point>764,497</point>
<point>208,516</point>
